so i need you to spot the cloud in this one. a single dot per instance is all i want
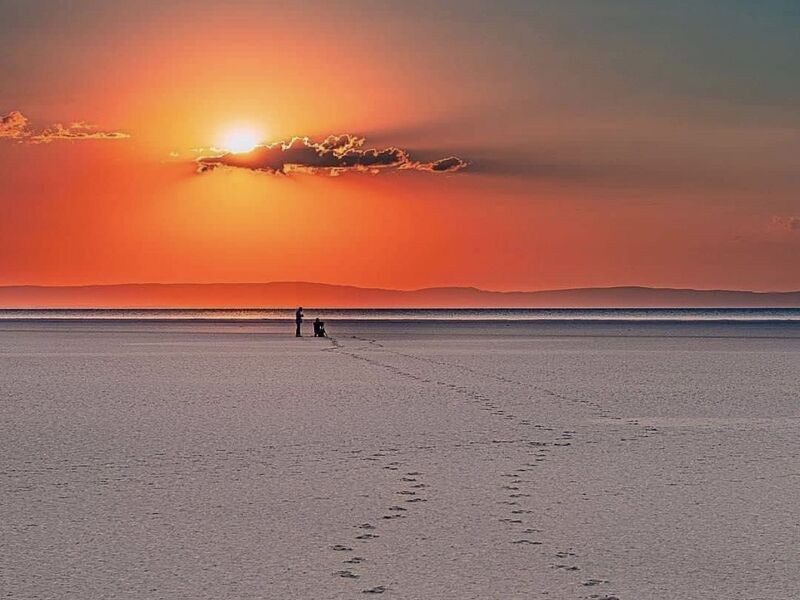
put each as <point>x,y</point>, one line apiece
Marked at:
<point>334,155</point>
<point>443,165</point>
<point>16,126</point>
<point>790,223</point>
<point>75,131</point>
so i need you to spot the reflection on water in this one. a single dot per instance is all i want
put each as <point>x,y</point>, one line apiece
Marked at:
<point>404,314</point>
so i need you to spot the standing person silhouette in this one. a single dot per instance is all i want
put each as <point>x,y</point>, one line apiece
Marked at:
<point>298,318</point>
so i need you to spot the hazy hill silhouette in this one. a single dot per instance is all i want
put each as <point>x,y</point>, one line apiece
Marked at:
<point>289,294</point>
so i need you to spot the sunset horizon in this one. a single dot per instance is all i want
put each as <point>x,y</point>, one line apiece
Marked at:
<point>576,151</point>
<point>288,294</point>
<point>417,299</point>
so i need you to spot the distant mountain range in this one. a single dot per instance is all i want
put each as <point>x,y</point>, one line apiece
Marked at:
<point>290,294</point>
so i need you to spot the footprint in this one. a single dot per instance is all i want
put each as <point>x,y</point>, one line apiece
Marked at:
<point>398,508</point>
<point>532,543</point>
<point>341,548</point>
<point>376,590</point>
<point>367,536</point>
<point>356,560</point>
<point>347,574</point>
<point>592,582</point>
<point>365,526</point>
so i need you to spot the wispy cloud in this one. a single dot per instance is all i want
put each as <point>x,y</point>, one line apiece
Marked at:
<point>334,155</point>
<point>791,223</point>
<point>16,126</point>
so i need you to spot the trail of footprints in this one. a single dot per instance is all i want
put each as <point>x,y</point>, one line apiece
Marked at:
<point>411,494</point>
<point>600,410</point>
<point>485,403</point>
<point>519,518</point>
<point>522,520</point>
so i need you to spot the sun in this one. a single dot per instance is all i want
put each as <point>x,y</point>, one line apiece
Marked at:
<point>240,139</point>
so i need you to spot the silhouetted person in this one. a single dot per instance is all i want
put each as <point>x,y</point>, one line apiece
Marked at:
<point>298,319</point>
<point>319,328</point>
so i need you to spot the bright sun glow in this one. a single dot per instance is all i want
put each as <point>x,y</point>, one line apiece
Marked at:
<point>240,140</point>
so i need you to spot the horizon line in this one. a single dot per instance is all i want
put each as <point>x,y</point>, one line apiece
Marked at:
<point>399,290</point>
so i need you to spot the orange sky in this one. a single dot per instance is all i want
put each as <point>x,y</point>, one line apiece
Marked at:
<point>583,171</point>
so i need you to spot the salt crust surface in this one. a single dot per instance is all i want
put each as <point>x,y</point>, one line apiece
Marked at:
<point>426,461</point>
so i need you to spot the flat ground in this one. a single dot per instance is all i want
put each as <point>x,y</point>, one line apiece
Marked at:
<point>429,461</point>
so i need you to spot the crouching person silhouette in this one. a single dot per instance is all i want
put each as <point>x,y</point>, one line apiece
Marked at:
<point>319,328</point>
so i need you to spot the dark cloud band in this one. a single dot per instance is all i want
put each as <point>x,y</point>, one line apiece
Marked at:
<point>334,155</point>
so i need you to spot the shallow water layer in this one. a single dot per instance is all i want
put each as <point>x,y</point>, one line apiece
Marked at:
<point>411,460</point>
